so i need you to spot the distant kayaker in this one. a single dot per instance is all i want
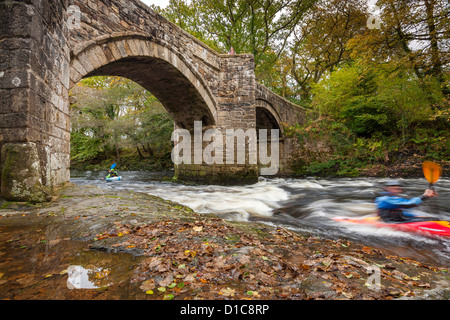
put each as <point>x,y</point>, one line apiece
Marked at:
<point>112,173</point>
<point>391,206</point>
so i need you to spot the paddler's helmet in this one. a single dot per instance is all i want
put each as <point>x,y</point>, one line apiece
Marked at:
<point>392,183</point>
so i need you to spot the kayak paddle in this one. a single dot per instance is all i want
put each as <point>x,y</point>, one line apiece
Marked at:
<point>432,172</point>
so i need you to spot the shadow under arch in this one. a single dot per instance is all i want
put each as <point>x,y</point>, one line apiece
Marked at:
<point>157,69</point>
<point>267,117</point>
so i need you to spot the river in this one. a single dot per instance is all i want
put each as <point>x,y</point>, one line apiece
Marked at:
<point>303,205</point>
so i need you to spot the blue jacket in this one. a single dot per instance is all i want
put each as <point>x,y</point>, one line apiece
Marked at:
<point>394,209</point>
<point>387,201</point>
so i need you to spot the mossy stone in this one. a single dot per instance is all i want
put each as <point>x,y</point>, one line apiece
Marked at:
<point>21,178</point>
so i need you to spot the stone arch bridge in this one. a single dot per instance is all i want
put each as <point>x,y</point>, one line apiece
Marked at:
<point>47,46</point>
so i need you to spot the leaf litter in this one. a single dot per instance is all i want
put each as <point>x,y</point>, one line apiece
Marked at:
<point>209,258</point>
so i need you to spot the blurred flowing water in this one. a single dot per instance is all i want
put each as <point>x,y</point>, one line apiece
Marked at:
<point>303,205</point>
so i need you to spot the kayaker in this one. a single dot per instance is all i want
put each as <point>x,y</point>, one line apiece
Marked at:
<point>112,173</point>
<point>391,207</point>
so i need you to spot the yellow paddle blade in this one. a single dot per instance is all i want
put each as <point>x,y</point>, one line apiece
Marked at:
<point>432,171</point>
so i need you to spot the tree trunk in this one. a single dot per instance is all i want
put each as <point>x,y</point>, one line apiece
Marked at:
<point>150,150</point>
<point>117,151</point>
<point>435,54</point>
<point>139,151</point>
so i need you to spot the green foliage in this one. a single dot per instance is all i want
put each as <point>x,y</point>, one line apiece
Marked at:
<point>366,116</point>
<point>370,100</point>
<point>83,146</point>
<point>155,128</point>
<point>249,26</point>
<point>332,93</point>
<point>324,144</point>
<point>113,114</point>
<point>433,143</point>
<point>319,45</point>
<point>363,130</point>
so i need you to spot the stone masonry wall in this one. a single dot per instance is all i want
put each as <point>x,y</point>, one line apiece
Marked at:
<point>284,112</point>
<point>34,84</point>
<point>282,109</point>
<point>235,110</point>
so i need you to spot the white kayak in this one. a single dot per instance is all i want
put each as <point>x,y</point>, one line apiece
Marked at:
<point>113,179</point>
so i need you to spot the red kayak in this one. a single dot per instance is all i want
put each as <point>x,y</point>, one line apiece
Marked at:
<point>426,227</point>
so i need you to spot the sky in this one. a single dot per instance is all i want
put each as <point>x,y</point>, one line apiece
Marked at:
<point>161,3</point>
<point>164,3</point>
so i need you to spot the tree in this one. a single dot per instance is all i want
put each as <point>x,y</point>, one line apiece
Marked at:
<point>111,113</point>
<point>370,100</point>
<point>153,128</point>
<point>414,35</point>
<point>320,42</point>
<point>260,27</point>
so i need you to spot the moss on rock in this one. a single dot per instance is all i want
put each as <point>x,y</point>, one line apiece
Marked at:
<point>21,173</point>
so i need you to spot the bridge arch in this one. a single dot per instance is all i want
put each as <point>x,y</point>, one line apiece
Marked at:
<point>158,69</point>
<point>266,116</point>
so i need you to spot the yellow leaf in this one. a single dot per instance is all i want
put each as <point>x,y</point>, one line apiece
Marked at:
<point>102,274</point>
<point>198,229</point>
<point>149,292</point>
<point>192,253</point>
<point>228,292</point>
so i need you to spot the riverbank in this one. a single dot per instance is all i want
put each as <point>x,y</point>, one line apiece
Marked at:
<point>136,246</point>
<point>405,165</point>
<point>130,160</point>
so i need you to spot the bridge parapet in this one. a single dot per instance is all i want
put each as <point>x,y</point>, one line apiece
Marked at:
<point>283,110</point>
